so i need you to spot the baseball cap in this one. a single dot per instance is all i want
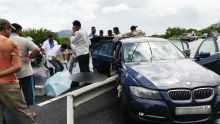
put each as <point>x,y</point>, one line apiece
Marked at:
<point>133,27</point>
<point>5,23</point>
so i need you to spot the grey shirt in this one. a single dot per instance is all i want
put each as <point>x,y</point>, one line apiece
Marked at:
<point>25,45</point>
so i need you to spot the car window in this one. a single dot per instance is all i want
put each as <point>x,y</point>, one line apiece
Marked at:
<point>96,50</point>
<point>137,52</point>
<point>209,46</point>
<point>178,43</point>
<point>106,49</point>
<point>185,45</point>
<point>165,51</point>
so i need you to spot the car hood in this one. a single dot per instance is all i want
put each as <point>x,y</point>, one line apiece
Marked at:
<point>173,74</point>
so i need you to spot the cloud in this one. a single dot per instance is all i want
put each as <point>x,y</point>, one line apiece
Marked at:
<point>117,8</point>
<point>151,16</point>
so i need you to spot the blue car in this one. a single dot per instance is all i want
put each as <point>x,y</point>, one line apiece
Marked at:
<point>158,81</point>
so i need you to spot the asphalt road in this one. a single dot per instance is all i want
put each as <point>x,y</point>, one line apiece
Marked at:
<point>102,110</point>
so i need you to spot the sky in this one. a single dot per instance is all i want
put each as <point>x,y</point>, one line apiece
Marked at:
<point>151,16</point>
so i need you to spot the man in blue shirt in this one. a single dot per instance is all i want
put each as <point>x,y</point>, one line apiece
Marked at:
<point>92,34</point>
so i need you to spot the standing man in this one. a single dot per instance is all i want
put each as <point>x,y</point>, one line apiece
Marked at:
<point>110,34</point>
<point>71,49</point>
<point>26,74</point>
<point>11,98</point>
<point>116,31</point>
<point>101,33</point>
<point>92,34</point>
<point>82,43</point>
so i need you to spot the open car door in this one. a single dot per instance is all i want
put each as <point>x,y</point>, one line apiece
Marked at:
<point>208,55</point>
<point>102,55</point>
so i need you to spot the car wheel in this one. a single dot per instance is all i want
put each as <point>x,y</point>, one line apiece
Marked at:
<point>125,109</point>
<point>95,70</point>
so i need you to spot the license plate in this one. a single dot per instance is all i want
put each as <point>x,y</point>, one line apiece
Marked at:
<point>206,109</point>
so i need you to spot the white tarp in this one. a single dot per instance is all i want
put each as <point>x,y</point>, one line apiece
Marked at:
<point>58,83</point>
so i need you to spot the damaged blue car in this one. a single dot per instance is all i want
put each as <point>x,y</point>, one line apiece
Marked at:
<point>158,81</point>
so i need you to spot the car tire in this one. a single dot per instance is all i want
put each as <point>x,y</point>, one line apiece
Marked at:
<point>125,109</point>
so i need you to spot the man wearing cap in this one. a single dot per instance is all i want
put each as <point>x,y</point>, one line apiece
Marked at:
<point>133,28</point>
<point>26,74</point>
<point>136,33</point>
<point>11,98</point>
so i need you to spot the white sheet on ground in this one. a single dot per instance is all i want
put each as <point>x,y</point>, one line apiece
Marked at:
<point>58,83</point>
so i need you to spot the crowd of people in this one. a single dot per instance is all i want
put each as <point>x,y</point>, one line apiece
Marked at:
<point>16,74</point>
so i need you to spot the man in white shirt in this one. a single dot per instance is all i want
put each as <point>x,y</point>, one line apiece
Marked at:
<point>45,49</point>
<point>52,57</point>
<point>82,43</point>
<point>48,44</point>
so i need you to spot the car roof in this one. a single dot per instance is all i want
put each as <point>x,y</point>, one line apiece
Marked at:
<point>142,39</point>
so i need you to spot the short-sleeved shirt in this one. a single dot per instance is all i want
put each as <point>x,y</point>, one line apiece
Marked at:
<point>25,45</point>
<point>55,51</point>
<point>8,49</point>
<point>47,46</point>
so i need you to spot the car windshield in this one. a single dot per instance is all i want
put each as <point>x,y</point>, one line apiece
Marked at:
<point>151,51</point>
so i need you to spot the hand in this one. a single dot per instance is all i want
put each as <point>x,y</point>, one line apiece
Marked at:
<point>65,61</point>
<point>26,58</point>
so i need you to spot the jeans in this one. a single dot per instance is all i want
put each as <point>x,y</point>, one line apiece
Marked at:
<point>72,64</point>
<point>57,65</point>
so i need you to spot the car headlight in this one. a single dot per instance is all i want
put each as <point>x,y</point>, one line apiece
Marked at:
<point>218,90</point>
<point>145,93</point>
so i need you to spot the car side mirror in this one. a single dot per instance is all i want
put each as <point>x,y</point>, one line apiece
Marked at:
<point>187,52</point>
<point>204,55</point>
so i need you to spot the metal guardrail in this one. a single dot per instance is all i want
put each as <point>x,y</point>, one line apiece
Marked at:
<point>82,95</point>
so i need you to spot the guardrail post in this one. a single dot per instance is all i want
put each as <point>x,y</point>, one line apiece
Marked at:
<point>70,110</point>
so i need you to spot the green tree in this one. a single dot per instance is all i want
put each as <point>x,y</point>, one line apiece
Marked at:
<point>38,35</point>
<point>174,32</point>
<point>63,40</point>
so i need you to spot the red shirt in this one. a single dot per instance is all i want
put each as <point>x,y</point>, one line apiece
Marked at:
<point>7,49</point>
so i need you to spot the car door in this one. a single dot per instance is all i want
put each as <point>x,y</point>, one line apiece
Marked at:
<point>102,57</point>
<point>208,55</point>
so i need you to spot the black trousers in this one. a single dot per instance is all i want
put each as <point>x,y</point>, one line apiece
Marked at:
<point>83,61</point>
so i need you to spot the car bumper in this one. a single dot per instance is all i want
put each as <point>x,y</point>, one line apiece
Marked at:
<point>160,111</point>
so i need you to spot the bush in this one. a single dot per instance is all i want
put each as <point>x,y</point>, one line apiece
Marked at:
<point>38,35</point>
<point>63,40</point>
